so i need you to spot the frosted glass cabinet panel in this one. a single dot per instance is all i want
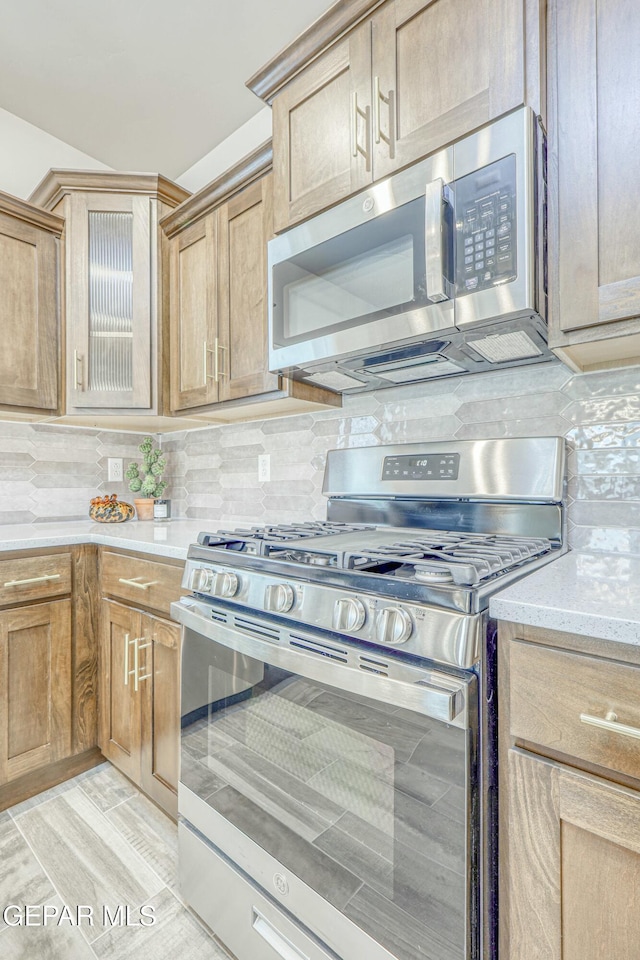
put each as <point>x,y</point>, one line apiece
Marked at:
<point>110,360</point>
<point>111,274</point>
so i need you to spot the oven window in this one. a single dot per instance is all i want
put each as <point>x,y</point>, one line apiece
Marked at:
<point>364,802</point>
<point>373,270</point>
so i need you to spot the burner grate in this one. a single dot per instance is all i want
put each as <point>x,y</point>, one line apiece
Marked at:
<point>252,539</point>
<point>462,559</point>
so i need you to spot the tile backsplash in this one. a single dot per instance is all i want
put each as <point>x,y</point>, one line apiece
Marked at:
<point>49,472</point>
<point>214,472</point>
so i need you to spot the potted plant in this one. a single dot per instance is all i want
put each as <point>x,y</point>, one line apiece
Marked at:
<point>147,479</point>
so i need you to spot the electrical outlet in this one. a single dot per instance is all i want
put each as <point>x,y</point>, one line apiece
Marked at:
<point>115,470</point>
<point>264,467</point>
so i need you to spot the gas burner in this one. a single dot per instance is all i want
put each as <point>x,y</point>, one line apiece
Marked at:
<point>424,575</point>
<point>303,557</point>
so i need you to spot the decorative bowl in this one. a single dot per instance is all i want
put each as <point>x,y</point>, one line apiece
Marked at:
<point>110,510</point>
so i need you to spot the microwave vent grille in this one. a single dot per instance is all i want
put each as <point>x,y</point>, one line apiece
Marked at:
<point>500,347</point>
<point>333,380</point>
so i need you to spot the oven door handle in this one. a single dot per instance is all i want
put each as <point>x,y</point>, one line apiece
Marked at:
<point>432,693</point>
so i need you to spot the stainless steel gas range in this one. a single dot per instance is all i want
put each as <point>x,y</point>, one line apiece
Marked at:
<point>337,792</point>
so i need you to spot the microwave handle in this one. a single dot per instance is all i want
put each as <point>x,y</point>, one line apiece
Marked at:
<point>433,226</point>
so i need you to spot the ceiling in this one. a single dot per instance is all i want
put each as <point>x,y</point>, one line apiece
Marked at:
<point>147,85</point>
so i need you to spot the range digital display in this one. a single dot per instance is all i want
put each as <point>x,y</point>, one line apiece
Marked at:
<point>431,466</point>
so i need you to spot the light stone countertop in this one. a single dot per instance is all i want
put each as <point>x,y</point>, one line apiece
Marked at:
<point>590,594</point>
<point>164,539</point>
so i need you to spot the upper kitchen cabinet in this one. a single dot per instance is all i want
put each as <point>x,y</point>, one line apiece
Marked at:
<point>218,301</point>
<point>116,298</point>
<point>322,131</point>
<point>29,307</point>
<point>594,171</point>
<point>370,88</point>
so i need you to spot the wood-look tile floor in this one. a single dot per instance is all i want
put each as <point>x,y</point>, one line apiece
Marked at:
<point>96,841</point>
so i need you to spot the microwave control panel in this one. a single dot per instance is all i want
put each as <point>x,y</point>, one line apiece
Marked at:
<point>485,216</point>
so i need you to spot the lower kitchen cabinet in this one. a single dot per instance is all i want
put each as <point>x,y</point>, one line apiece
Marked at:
<point>569,797</point>
<point>574,864</point>
<point>120,733</point>
<point>160,711</point>
<point>139,687</point>
<point>35,687</point>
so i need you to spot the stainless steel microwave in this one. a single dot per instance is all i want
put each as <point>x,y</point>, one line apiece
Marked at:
<point>436,271</point>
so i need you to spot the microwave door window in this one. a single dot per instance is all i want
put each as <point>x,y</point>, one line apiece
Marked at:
<point>351,289</point>
<point>374,270</point>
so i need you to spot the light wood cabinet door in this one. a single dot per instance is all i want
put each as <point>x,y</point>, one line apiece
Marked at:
<point>245,225</point>
<point>109,282</point>
<point>322,131</point>
<point>29,307</point>
<point>160,705</point>
<point>595,166</point>
<point>441,68</point>
<point>194,315</point>
<point>574,864</point>
<point>35,687</point>
<point>119,701</point>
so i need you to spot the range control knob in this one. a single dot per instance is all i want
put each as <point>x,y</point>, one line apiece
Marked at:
<point>348,614</point>
<point>393,625</point>
<point>225,585</point>
<point>278,597</point>
<point>201,580</point>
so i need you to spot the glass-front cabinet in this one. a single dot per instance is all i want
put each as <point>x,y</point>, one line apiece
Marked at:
<point>115,300</point>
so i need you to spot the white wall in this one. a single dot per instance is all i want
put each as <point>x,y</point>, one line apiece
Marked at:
<point>236,146</point>
<point>27,152</point>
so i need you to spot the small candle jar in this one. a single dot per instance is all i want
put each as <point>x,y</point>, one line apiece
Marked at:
<point>162,509</point>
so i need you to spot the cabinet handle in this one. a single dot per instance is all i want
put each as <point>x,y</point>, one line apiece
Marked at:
<point>137,647</point>
<point>221,365</point>
<point>77,363</point>
<point>216,361</point>
<point>127,672</point>
<point>610,722</point>
<point>354,124</point>
<point>379,96</point>
<point>135,582</point>
<point>205,362</point>
<point>20,583</point>
<point>355,113</point>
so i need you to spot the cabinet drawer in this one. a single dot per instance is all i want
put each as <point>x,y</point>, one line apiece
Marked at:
<point>141,582</point>
<point>554,695</point>
<point>31,578</point>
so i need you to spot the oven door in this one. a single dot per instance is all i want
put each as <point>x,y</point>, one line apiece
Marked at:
<point>342,782</point>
